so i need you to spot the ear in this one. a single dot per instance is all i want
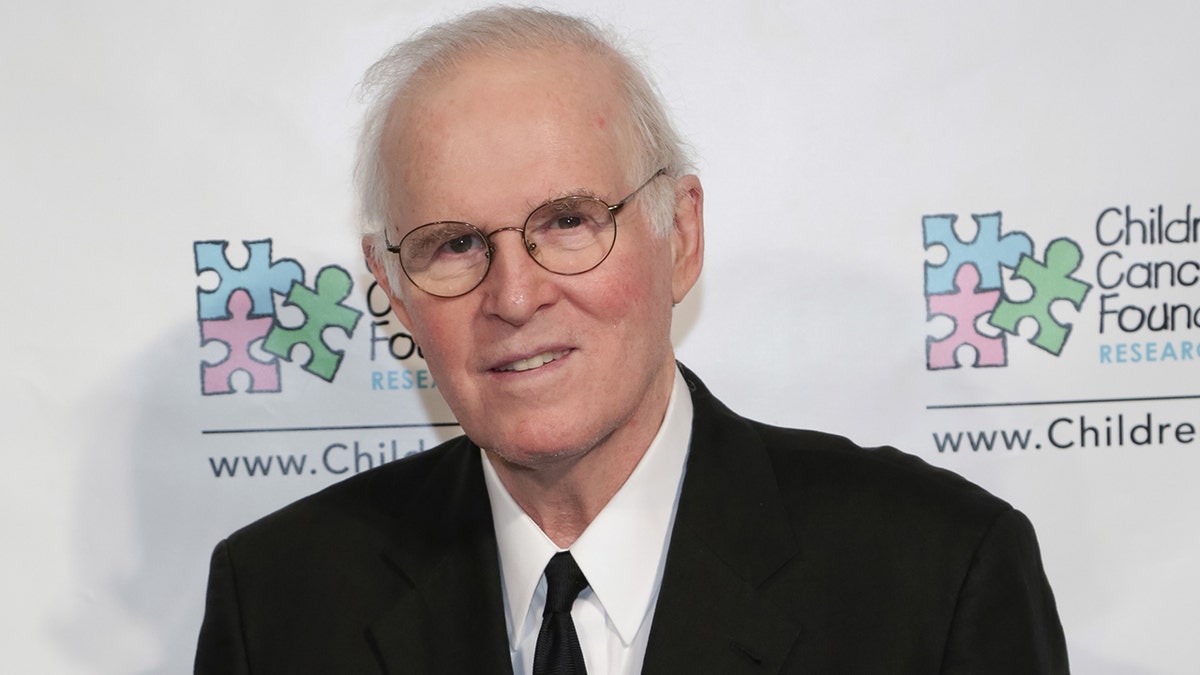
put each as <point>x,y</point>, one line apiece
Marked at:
<point>687,236</point>
<point>381,276</point>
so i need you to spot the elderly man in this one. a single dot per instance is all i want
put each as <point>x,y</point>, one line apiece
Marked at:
<point>531,214</point>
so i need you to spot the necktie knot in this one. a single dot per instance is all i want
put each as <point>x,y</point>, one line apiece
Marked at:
<point>564,582</point>
<point>558,651</point>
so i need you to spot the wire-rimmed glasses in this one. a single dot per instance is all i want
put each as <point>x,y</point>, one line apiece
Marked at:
<point>567,236</point>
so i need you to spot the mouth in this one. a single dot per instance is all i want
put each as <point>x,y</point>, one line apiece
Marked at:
<point>533,362</point>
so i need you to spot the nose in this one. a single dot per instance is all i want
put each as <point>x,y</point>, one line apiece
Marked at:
<point>516,287</point>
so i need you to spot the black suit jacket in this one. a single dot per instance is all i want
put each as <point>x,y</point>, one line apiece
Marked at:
<point>792,552</point>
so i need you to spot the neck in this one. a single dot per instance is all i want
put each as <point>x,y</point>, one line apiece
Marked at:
<point>563,497</point>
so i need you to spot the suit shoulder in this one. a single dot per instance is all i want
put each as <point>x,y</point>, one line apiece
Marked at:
<point>818,472</point>
<point>298,587</point>
<point>825,466</point>
<point>365,501</point>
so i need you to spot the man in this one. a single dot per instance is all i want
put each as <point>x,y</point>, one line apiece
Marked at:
<point>531,214</point>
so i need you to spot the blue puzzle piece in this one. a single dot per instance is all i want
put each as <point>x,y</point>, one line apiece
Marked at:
<point>259,278</point>
<point>988,251</point>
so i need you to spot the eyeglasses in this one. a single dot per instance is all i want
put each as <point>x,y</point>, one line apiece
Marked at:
<point>567,236</point>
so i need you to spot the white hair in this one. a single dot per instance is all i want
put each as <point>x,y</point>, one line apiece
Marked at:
<point>437,50</point>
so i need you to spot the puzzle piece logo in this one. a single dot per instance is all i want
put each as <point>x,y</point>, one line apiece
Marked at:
<point>987,251</point>
<point>964,306</point>
<point>322,309</point>
<point>968,288</point>
<point>260,277</point>
<point>1051,281</point>
<point>239,315</point>
<point>237,334</point>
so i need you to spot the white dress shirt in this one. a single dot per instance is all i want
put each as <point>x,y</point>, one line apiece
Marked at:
<point>622,553</point>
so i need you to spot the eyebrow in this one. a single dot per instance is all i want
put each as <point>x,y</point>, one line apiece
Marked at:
<point>563,194</point>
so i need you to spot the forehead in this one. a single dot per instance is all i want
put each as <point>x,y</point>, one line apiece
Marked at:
<point>528,125</point>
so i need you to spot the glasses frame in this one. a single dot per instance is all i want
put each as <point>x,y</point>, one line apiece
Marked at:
<point>530,247</point>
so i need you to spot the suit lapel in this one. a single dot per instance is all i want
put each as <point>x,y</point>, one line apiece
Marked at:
<point>449,617</point>
<point>730,535</point>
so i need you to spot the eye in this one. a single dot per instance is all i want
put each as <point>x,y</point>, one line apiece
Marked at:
<point>462,244</point>
<point>569,215</point>
<point>566,221</point>
<point>439,243</point>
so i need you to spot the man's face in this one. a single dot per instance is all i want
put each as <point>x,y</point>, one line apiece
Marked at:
<point>486,145</point>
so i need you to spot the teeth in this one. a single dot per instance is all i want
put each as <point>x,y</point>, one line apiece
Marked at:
<point>533,362</point>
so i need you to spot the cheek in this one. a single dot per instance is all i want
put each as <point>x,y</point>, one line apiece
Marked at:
<point>437,334</point>
<point>636,300</point>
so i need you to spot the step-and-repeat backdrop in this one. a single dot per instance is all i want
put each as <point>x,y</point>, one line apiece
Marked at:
<point>970,230</point>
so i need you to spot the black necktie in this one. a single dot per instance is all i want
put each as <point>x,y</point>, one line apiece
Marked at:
<point>558,651</point>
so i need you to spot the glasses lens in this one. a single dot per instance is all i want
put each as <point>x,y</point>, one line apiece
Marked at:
<point>570,235</point>
<point>444,259</point>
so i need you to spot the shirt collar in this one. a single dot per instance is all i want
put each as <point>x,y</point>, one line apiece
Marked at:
<point>622,550</point>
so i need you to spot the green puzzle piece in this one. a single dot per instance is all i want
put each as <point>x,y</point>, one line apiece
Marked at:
<point>1051,281</point>
<point>322,309</point>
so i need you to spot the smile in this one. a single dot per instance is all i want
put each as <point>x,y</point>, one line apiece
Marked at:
<point>532,362</point>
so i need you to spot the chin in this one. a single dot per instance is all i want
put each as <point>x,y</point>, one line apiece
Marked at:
<point>538,450</point>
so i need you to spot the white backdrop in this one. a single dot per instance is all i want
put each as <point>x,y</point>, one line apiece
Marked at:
<point>825,131</point>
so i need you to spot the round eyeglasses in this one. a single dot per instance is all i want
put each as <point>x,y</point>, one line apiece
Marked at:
<point>567,236</point>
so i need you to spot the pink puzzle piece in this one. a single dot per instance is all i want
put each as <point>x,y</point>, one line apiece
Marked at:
<point>237,334</point>
<point>964,307</point>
